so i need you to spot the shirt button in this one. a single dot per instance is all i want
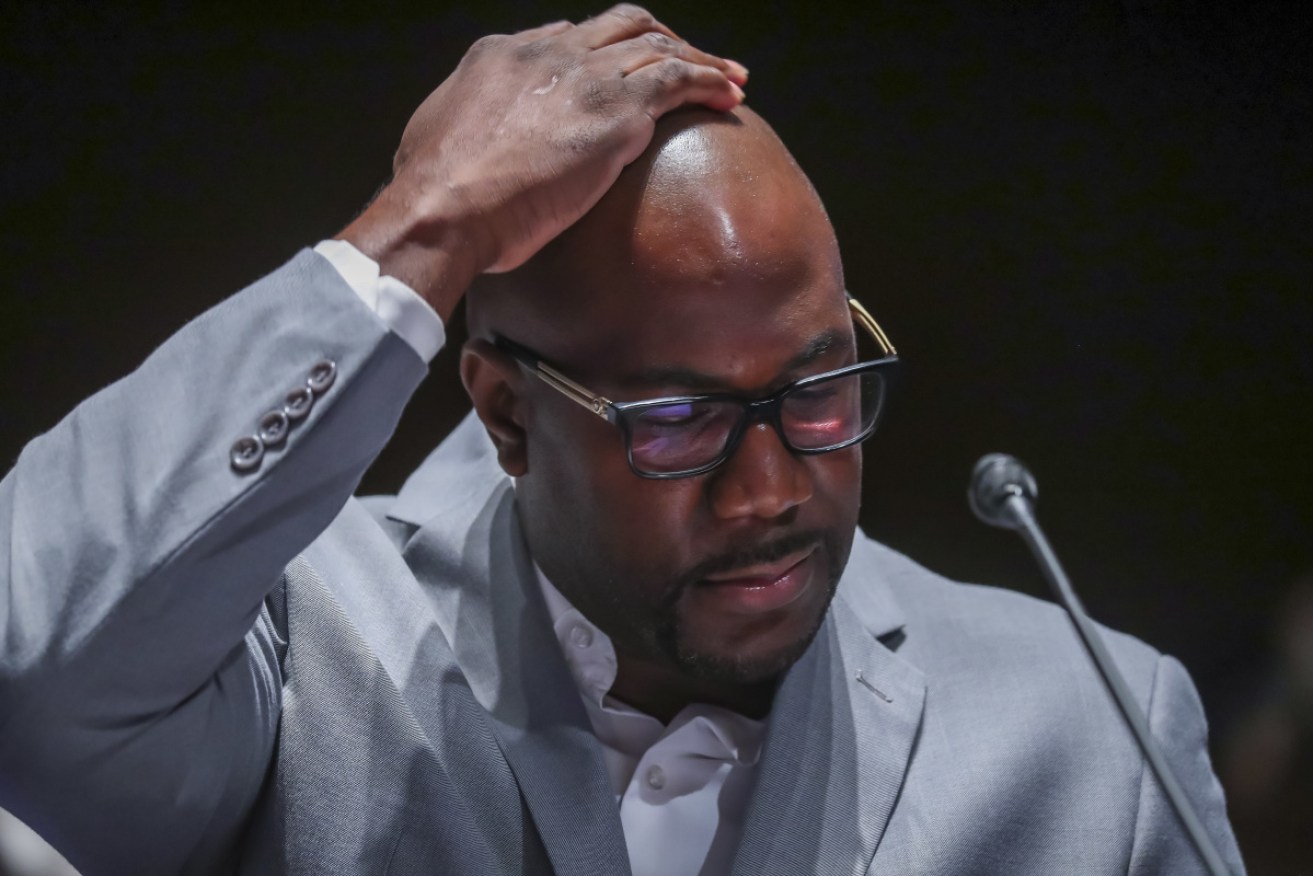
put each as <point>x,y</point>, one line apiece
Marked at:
<point>581,636</point>
<point>656,778</point>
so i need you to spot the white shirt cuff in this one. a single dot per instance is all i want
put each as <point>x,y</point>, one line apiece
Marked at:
<point>398,305</point>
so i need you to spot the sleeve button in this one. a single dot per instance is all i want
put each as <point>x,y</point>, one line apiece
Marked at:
<point>273,428</point>
<point>246,453</point>
<point>298,403</point>
<point>322,376</point>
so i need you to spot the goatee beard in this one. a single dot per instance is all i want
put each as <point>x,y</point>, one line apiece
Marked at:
<point>735,669</point>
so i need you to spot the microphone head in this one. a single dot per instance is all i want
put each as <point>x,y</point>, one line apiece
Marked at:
<point>996,478</point>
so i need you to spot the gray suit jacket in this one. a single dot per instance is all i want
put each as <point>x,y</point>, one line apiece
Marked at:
<point>206,671</point>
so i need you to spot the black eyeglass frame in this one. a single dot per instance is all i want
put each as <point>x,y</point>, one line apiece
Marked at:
<point>765,409</point>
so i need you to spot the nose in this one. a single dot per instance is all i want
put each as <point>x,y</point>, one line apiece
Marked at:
<point>762,478</point>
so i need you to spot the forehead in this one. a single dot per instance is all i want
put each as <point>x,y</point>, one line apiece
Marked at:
<point>714,254</point>
<point>735,302</point>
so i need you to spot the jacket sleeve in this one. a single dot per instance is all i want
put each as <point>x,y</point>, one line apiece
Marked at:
<point>139,685</point>
<point>1161,845</point>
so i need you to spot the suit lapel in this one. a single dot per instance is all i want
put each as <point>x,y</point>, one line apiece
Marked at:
<point>485,597</point>
<point>841,735</point>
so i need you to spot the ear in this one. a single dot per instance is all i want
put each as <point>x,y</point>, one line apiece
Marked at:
<point>493,380</point>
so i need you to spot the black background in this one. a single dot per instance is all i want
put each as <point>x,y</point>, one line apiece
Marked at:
<point>1086,226</point>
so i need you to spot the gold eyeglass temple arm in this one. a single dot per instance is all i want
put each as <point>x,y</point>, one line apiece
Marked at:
<point>576,393</point>
<point>600,405</point>
<point>864,318</point>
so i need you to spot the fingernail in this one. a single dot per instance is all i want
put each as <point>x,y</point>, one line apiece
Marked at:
<point>736,67</point>
<point>738,92</point>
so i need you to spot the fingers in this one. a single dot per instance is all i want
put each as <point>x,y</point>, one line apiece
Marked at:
<point>658,68</point>
<point>625,38</point>
<point>669,73</point>
<point>649,48</point>
<point>618,23</point>
<point>674,82</point>
<point>630,53</point>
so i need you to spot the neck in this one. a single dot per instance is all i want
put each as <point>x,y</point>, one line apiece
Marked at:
<point>663,692</point>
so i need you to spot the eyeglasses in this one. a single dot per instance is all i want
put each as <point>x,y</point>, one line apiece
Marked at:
<point>686,435</point>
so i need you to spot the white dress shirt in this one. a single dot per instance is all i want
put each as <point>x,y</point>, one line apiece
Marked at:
<point>396,304</point>
<point>682,787</point>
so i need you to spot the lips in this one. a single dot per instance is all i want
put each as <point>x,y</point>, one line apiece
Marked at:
<point>760,587</point>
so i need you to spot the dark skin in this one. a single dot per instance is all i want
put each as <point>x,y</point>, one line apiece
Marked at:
<point>707,265</point>
<point>523,138</point>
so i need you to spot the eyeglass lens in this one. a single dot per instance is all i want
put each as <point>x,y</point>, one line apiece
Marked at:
<point>687,435</point>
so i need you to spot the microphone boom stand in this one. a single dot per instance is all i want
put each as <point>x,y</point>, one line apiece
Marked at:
<point>1002,494</point>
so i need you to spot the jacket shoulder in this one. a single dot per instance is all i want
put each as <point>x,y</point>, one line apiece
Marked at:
<point>964,628</point>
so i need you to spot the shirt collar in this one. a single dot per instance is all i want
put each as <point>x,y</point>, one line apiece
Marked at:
<point>590,655</point>
<point>588,651</point>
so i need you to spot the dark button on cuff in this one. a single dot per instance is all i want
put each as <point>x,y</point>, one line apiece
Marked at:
<point>247,453</point>
<point>298,403</point>
<point>273,428</point>
<point>322,376</point>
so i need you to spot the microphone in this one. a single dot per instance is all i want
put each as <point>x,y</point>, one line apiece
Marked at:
<point>996,479</point>
<point>1003,494</point>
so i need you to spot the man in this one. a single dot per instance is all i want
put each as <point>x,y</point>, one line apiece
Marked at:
<point>662,647</point>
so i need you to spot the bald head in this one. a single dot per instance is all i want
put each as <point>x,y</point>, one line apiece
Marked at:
<point>709,268</point>
<point>715,200</point>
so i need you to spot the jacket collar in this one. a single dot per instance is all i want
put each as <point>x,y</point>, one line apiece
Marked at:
<point>468,551</point>
<point>461,473</point>
<point>840,739</point>
<point>841,732</point>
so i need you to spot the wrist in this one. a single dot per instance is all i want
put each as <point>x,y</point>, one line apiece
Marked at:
<point>425,248</point>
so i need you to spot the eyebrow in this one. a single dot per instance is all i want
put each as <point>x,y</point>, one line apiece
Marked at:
<point>670,375</point>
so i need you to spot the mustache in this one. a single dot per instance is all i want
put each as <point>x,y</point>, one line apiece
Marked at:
<point>744,555</point>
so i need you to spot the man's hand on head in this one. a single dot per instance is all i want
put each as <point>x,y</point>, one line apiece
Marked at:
<point>523,139</point>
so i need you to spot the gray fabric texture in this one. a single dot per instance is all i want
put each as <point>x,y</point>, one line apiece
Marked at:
<point>207,671</point>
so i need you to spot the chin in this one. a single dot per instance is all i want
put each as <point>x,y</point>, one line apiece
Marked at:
<point>713,643</point>
<point>749,660</point>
